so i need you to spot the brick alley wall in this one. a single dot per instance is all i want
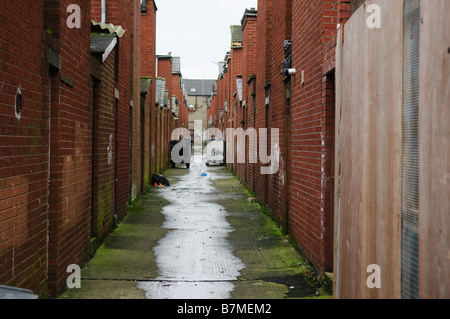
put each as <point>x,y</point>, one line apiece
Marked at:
<point>104,104</point>
<point>226,99</point>
<point>158,135</point>
<point>134,19</point>
<point>298,191</point>
<point>251,149</point>
<point>23,147</point>
<point>220,102</point>
<point>234,68</point>
<point>183,114</point>
<point>145,105</point>
<point>118,13</point>
<point>82,146</point>
<point>148,69</point>
<point>279,112</point>
<point>235,71</point>
<point>249,34</point>
<point>310,216</point>
<point>263,77</point>
<point>165,71</point>
<point>70,179</point>
<point>343,212</point>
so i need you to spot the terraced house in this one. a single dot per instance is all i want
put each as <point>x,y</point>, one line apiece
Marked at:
<point>352,96</point>
<point>79,128</point>
<point>349,85</point>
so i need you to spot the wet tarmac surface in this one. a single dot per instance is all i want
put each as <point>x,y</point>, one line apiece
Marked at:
<point>199,238</point>
<point>195,259</point>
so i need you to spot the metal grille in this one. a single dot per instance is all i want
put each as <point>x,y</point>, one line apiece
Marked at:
<point>410,160</point>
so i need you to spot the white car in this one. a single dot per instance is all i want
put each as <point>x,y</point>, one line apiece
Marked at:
<point>215,152</point>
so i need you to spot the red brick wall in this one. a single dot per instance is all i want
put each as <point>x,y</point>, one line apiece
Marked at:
<point>263,77</point>
<point>128,154</point>
<point>158,140</point>
<point>153,112</point>
<point>165,72</point>
<point>23,147</point>
<point>104,148</point>
<point>45,226</point>
<point>279,117</point>
<point>217,104</point>
<point>123,87</point>
<point>250,123</point>
<point>70,146</point>
<point>220,102</point>
<point>234,104</point>
<point>213,109</point>
<point>226,97</point>
<point>145,142</point>
<point>96,10</point>
<point>309,215</point>
<point>134,91</point>
<point>299,194</point>
<point>183,119</point>
<point>343,8</point>
<point>148,68</point>
<point>249,34</point>
<point>218,98</point>
<point>148,43</point>
<point>165,141</point>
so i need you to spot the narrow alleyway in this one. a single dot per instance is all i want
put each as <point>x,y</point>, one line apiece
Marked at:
<point>200,238</point>
<point>347,96</point>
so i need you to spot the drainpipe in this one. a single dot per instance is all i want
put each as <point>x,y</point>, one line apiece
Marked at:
<point>104,11</point>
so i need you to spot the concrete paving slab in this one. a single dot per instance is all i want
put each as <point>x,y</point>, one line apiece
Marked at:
<point>198,238</point>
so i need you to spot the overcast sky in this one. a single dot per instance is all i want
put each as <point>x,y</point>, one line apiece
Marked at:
<point>198,31</point>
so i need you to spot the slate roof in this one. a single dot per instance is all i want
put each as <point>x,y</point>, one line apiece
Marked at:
<point>201,87</point>
<point>252,12</point>
<point>104,38</point>
<point>101,41</point>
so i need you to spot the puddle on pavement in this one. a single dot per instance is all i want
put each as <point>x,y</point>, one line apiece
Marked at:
<point>194,259</point>
<point>187,290</point>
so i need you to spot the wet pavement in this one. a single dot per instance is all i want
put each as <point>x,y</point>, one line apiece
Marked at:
<point>200,238</point>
